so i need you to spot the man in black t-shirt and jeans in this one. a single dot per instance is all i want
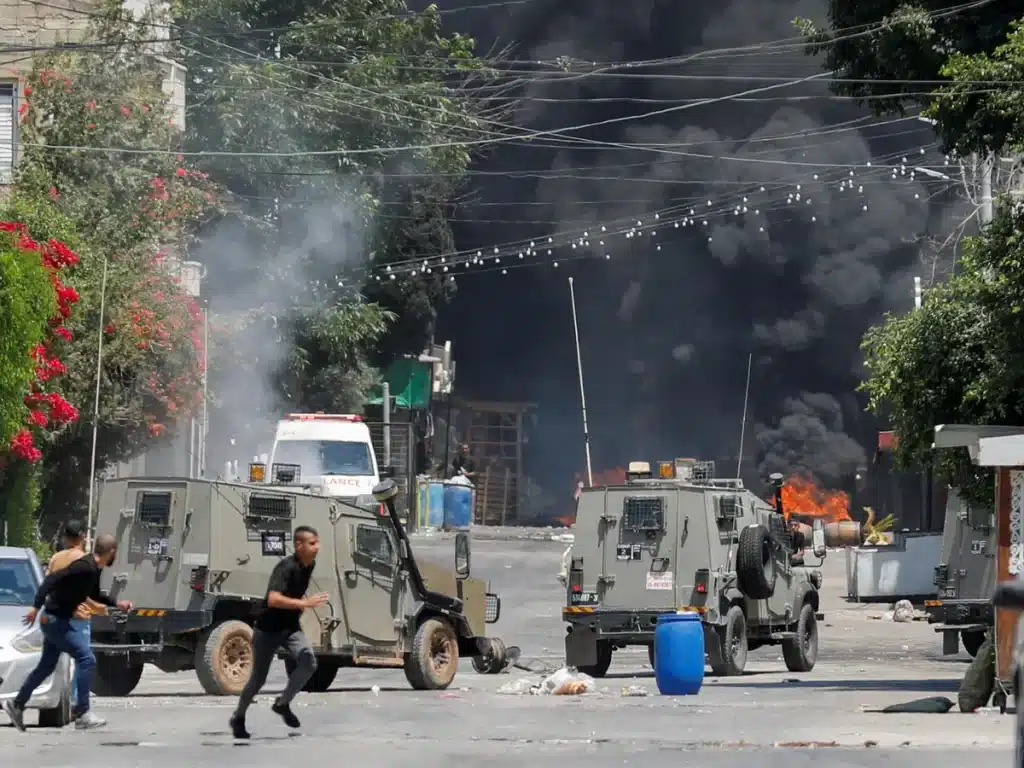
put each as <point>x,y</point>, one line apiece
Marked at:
<point>278,627</point>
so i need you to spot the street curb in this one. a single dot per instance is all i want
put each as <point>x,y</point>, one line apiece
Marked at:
<point>487,533</point>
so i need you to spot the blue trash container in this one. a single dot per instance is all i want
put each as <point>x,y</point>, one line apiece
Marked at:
<point>458,506</point>
<point>679,654</point>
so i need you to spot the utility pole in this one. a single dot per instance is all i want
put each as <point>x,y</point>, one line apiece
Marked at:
<point>985,210</point>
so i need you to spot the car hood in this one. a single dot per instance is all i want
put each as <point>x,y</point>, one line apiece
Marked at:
<point>10,621</point>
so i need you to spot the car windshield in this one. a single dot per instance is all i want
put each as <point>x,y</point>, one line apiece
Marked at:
<point>325,457</point>
<point>17,581</point>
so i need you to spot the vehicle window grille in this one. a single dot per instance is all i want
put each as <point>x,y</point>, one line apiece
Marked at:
<point>703,471</point>
<point>643,513</point>
<point>729,506</point>
<point>373,541</point>
<point>154,509</point>
<point>265,505</point>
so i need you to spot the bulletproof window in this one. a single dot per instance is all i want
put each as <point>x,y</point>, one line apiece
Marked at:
<point>154,509</point>
<point>267,505</point>
<point>643,513</point>
<point>728,507</point>
<point>374,542</point>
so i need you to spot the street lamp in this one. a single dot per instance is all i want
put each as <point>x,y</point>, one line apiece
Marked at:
<point>96,406</point>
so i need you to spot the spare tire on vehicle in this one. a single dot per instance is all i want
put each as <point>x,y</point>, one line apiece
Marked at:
<point>755,563</point>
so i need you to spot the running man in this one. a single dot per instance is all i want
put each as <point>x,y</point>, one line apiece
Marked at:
<point>62,592</point>
<point>74,549</point>
<point>278,627</point>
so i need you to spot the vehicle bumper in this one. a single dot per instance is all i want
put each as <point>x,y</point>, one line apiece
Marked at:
<point>15,667</point>
<point>620,627</point>
<point>144,629</point>
<point>956,613</point>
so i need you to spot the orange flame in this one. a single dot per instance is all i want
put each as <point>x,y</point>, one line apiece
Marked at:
<point>803,498</point>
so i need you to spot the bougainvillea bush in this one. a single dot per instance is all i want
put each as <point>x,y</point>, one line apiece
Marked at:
<point>36,304</point>
<point>133,211</point>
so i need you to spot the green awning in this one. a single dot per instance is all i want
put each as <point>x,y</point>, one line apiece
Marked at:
<point>410,382</point>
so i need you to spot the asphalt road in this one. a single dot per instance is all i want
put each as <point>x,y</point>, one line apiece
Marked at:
<point>373,717</point>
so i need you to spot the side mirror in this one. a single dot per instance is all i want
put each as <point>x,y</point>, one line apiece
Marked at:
<point>386,472</point>
<point>818,538</point>
<point>257,473</point>
<point>462,556</point>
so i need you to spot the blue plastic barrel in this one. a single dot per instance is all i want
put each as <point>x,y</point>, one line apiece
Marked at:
<point>435,504</point>
<point>679,654</point>
<point>458,506</point>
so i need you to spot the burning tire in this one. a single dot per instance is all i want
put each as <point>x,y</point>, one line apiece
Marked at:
<point>224,658</point>
<point>801,653</point>
<point>493,661</point>
<point>434,658</point>
<point>755,563</point>
<point>731,658</point>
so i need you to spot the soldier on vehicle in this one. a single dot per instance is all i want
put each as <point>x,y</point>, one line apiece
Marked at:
<point>278,627</point>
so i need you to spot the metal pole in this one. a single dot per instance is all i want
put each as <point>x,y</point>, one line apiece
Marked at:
<point>385,391</point>
<point>743,426</point>
<point>579,368</point>
<point>206,390</point>
<point>96,406</point>
<point>985,212</point>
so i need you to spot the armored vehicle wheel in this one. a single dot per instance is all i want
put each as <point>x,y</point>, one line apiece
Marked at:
<point>604,660</point>
<point>972,641</point>
<point>732,638</point>
<point>801,652</point>
<point>493,661</point>
<point>115,674</point>
<point>223,658</point>
<point>321,680</point>
<point>755,563</point>
<point>434,658</point>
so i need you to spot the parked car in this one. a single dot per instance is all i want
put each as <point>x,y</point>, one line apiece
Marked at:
<point>20,646</point>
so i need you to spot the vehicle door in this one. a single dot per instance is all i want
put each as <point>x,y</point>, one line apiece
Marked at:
<point>640,534</point>
<point>371,582</point>
<point>149,536</point>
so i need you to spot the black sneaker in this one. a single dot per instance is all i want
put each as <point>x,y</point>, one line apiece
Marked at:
<point>16,714</point>
<point>286,714</point>
<point>237,723</point>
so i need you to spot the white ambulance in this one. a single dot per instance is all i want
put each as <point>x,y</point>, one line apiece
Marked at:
<point>331,452</point>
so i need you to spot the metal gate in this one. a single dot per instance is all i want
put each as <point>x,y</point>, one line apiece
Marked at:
<point>398,451</point>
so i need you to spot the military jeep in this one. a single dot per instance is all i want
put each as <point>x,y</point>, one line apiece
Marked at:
<point>195,556</point>
<point>686,541</point>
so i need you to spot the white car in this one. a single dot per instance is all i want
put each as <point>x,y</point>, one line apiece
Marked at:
<point>20,646</point>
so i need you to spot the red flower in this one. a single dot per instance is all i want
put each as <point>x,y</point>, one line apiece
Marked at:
<point>61,411</point>
<point>28,90</point>
<point>182,173</point>
<point>109,330</point>
<point>125,111</point>
<point>54,193</point>
<point>67,295</point>
<point>38,418</point>
<point>63,333</point>
<point>156,429</point>
<point>91,104</point>
<point>24,447</point>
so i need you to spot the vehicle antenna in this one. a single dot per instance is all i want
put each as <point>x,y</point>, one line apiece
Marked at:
<point>743,426</point>
<point>579,368</point>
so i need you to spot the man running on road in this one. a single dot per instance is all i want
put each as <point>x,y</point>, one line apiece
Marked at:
<point>278,627</point>
<point>62,592</point>
<point>74,549</point>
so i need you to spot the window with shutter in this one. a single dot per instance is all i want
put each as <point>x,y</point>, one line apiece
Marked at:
<point>8,123</point>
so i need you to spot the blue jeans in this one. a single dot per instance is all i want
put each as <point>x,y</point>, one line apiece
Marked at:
<point>84,626</point>
<point>62,636</point>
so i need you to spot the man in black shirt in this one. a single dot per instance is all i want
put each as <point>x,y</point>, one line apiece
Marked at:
<point>278,627</point>
<point>60,595</point>
<point>463,465</point>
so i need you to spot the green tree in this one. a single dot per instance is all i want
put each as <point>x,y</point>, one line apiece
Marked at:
<point>982,109</point>
<point>960,358</point>
<point>891,53</point>
<point>131,210</point>
<point>327,76</point>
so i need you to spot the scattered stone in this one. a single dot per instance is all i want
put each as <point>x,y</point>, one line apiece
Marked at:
<point>635,690</point>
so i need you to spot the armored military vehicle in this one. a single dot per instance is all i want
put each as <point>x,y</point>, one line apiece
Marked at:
<point>195,556</point>
<point>965,577</point>
<point>686,541</point>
